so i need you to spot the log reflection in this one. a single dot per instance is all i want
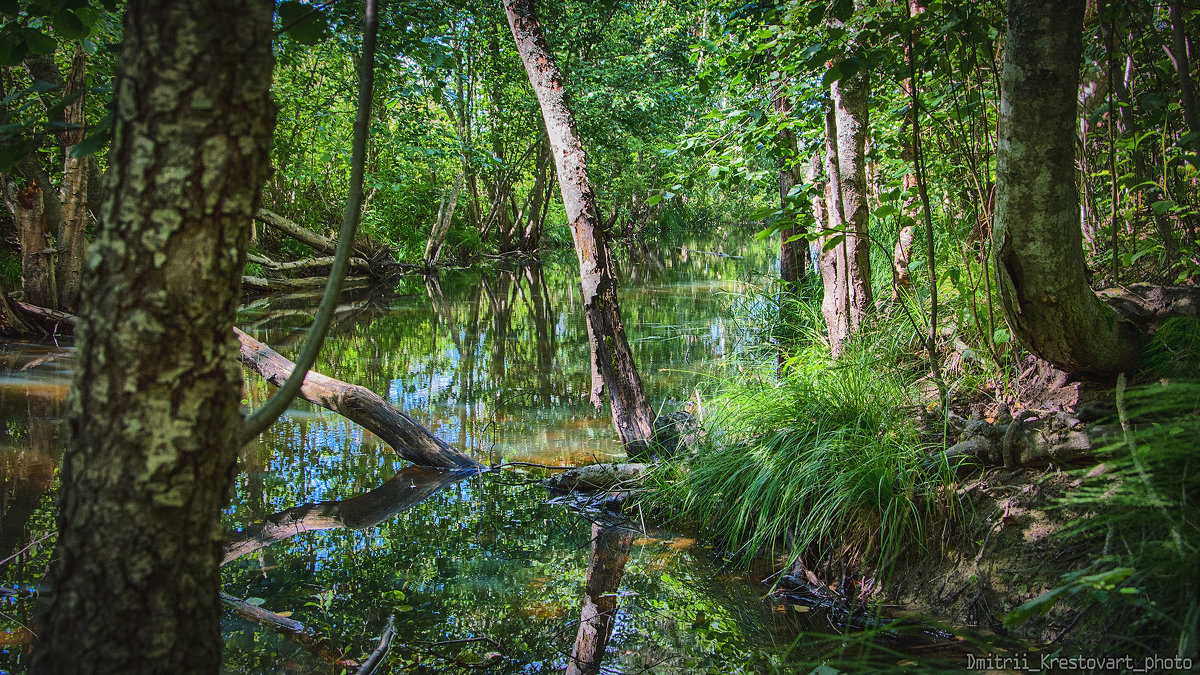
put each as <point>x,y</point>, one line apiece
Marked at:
<point>606,565</point>
<point>403,491</point>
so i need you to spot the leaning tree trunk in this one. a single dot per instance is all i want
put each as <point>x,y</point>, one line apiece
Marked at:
<point>631,411</point>
<point>1036,236</point>
<point>154,412</point>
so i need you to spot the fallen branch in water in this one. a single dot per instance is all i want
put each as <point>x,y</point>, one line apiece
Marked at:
<point>290,629</point>
<point>360,405</point>
<point>385,644</point>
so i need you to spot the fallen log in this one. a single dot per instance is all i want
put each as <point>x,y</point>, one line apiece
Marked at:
<point>259,285</point>
<point>1032,439</point>
<point>317,242</point>
<point>290,629</point>
<point>360,405</point>
<point>598,477</point>
<point>305,264</point>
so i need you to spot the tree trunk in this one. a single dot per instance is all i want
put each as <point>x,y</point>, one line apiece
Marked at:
<point>1037,239</point>
<point>319,243</point>
<point>832,263</point>
<point>359,405</point>
<point>154,416</point>
<point>850,98</point>
<point>792,254</point>
<point>12,324</point>
<point>631,411</point>
<point>441,227</point>
<point>37,253</point>
<point>72,244</point>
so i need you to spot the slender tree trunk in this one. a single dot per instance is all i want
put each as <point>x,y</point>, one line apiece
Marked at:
<point>850,98</point>
<point>72,244</point>
<point>631,411</point>
<point>154,413</point>
<point>1183,68</point>
<point>902,253</point>
<point>539,201</point>
<point>835,298</point>
<point>792,254</point>
<point>1036,236</point>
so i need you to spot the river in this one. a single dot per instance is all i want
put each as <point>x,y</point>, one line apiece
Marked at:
<point>333,539</point>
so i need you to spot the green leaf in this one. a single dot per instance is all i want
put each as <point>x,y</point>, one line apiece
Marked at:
<point>304,23</point>
<point>38,42</point>
<point>257,602</point>
<point>1001,336</point>
<point>654,199</point>
<point>832,242</point>
<point>68,26</point>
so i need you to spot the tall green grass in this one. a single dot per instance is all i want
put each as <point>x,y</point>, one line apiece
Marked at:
<point>824,456</point>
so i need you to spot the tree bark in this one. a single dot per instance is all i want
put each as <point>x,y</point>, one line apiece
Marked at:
<point>792,254</point>
<point>832,263</point>
<point>850,98</point>
<point>37,253</point>
<point>319,243</point>
<point>154,413</point>
<point>12,324</point>
<point>359,405</point>
<point>441,226</point>
<point>72,243</point>
<point>631,411</point>
<point>1036,237</point>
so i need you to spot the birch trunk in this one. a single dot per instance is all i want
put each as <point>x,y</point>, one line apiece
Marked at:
<point>631,411</point>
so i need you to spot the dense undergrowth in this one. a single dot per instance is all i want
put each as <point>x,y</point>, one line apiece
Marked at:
<point>1143,520</point>
<point>824,456</point>
<point>834,460</point>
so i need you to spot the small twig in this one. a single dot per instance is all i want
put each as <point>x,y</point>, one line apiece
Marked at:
<point>18,622</point>
<point>553,467</point>
<point>493,642</point>
<point>27,547</point>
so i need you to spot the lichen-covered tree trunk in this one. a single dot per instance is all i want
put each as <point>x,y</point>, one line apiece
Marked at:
<point>631,411</point>
<point>1036,237</point>
<point>154,412</point>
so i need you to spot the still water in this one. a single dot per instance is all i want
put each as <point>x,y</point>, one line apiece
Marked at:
<point>333,541</point>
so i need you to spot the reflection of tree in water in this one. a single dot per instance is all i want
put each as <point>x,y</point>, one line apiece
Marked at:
<point>606,565</point>
<point>406,489</point>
